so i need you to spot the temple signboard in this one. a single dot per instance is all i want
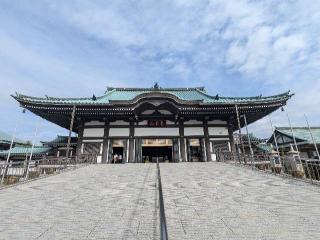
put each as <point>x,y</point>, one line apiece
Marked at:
<point>157,123</point>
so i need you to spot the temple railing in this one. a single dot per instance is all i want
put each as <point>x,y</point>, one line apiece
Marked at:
<point>289,166</point>
<point>162,214</point>
<point>20,171</point>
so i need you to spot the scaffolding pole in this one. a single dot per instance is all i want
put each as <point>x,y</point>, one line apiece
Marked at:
<point>70,130</point>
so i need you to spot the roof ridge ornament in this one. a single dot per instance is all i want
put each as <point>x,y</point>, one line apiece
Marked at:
<point>156,86</point>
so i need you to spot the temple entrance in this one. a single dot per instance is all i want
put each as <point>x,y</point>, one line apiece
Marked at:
<point>154,150</point>
<point>117,154</point>
<point>156,154</point>
<point>195,150</point>
<point>118,151</point>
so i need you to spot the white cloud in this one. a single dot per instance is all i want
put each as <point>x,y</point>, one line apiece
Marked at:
<point>240,46</point>
<point>108,25</point>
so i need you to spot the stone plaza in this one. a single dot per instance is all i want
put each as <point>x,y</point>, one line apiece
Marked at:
<point>120,201</point>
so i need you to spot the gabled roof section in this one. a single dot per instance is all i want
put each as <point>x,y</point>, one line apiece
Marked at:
<point>197,94</point>
<point>301,133</point>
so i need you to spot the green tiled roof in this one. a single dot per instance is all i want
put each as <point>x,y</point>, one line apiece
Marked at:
<point>264,147</point>
<point>6,138</point>
<point>301,133</point>
<point>252,138</point>
<point>60,140</point>
<point>17,151</point>
<point>128,94</point>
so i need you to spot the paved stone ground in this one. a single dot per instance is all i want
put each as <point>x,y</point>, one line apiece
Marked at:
<point>203,201</point>
<point>94,202</point>
<point>220,201</point>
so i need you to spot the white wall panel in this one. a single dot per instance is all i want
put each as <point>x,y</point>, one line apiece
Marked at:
<point>91,141</point>
<point>144,122</point>
<point>119,122</point>
<point>93,123</point>
<point>165,112</point>
<point>156,132</point>
<point>148,112</point>
<point>119,132</point>
<point>218,131</point>
<point>217,122</point>
<point>93,132</point>
<point>193,131</point>
<point>219,139</point>
<point>193,122</point>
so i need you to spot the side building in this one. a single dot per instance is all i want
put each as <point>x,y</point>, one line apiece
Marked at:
<point>22,153</point>
<point>153,124</point>
<point>303,138</point>
<point>258,145</point>
<point>59,145</point>
<point>54,148</point>
<point>5,141</point>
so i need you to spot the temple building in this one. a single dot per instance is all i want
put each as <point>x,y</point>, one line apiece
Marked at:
<point>305,142</point>
<point>258,145</point>
<point>21,153</point>
<point>153,124</point>
<point>53,148</point>
<point>59,146</point>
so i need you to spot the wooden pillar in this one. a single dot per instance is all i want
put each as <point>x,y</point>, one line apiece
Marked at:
<point>232,144</point>
<point>105,150</point>
<point>175,150</point>
<point>182,142</point>
<point>125,151</point>
<point>131,157</point>
<point>206,141</point>
<point>188,150</point>
<point>79,140</point>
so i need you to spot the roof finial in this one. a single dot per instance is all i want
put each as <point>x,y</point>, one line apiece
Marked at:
<point>156,86</point>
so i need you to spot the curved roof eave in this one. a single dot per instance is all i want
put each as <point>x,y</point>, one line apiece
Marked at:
<point>90,102</point>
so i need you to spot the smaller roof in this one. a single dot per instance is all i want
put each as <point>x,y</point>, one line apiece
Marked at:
<point>60,141</point>
<point>264,147</point>
<point>6,138</point>
<point>22,151</point>
<point>301,134</point>
<point>252,137</point>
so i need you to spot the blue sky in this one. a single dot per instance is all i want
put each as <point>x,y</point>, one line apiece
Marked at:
<point>233,48</point>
